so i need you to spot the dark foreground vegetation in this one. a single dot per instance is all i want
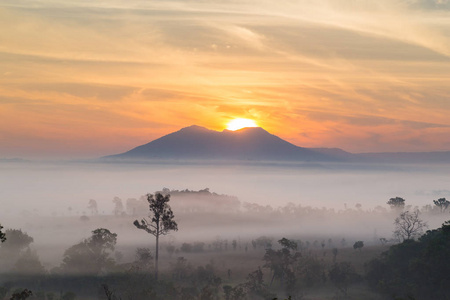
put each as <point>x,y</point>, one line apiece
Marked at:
<point>413,266</point>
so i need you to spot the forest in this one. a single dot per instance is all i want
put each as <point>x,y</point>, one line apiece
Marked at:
<point>260,252</point>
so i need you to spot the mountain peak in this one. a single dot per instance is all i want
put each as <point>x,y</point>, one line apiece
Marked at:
<point>246,129</point>
<point>196,142</point>
<point>194,128</point>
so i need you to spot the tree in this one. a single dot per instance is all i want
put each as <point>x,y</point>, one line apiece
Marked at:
<point>143,260</point>
<point>282,262</point>
<point>342,274</point>
<point>2,235</point>
<point>409,226</point>
<point>118,206</point>
<point>16,241</point>
<point>21,295</point>
<point>29,263</point>
<point>161,222</point>
<point>92,205</point>
<point>442,203</point>
<point>91,255</point>
<point>414,269</point>
<point>396,203</point>
<point>358,245</point>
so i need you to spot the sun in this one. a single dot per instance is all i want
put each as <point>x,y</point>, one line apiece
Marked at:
<point>240,123</point>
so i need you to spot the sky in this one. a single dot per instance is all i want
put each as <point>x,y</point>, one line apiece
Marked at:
<point>81,79</point>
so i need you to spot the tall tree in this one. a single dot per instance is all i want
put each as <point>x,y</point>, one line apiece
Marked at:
<point>161,222</point>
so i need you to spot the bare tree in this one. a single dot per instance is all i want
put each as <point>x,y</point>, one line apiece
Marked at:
<point>161,222</point>
<point>409,226</point>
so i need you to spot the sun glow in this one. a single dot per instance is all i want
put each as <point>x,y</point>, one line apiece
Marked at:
<point>240,123</point>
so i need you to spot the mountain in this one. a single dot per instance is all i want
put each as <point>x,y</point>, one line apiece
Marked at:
<point>199,143</point>
<point>256,144</point>
<point>439,157</point>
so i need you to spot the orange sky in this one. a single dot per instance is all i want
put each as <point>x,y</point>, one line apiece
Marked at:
<point>92,78</point>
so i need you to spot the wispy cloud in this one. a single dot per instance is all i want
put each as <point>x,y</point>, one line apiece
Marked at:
<point>319,73</point>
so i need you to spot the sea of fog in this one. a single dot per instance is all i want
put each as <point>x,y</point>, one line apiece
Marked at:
<point>66,187</point>
<point>46,200</point>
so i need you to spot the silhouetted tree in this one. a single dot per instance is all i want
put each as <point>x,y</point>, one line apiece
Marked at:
<point>396,203</point>
<point>16,242</point>
<point>281,262</point>
<point>288,244</point>
<point>108,293</point>
<point>161,222</point>
<point>91,255</point>
<point>442,203</point>
<point>358,245</point>
<point>22,295</point>
<point>255,286</point>
<point>414,269</point>
<point>342,274</point>
<point>409,226</point>
<point>29,263</point>
<point>2,235</point>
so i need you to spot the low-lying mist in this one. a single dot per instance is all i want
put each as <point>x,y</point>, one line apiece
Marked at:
<point>326,205</point>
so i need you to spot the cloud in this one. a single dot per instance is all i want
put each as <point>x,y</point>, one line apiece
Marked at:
<point>323,72</point>
<point>81,90</point>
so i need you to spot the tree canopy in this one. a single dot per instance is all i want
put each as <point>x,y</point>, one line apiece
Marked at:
<point>16,241</point>
<point>442,203</point>
<point>91,255</point>
<point>417,269</point>
<point>396,202</point>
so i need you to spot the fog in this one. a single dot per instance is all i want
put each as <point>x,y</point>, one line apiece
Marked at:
<point>49,188</point>
<point>47,199</point>
<point>213,204</point>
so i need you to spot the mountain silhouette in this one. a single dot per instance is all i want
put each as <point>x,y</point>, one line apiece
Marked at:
<point>199,143</point>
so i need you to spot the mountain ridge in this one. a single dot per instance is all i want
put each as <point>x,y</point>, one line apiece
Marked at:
<point>196,142</point>
<point>256,144</point>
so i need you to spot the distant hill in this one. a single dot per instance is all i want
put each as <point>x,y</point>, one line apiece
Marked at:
<point>199,143</point>
<point>256,144</point>
<point>336,153</point>
<point>406,157</point>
